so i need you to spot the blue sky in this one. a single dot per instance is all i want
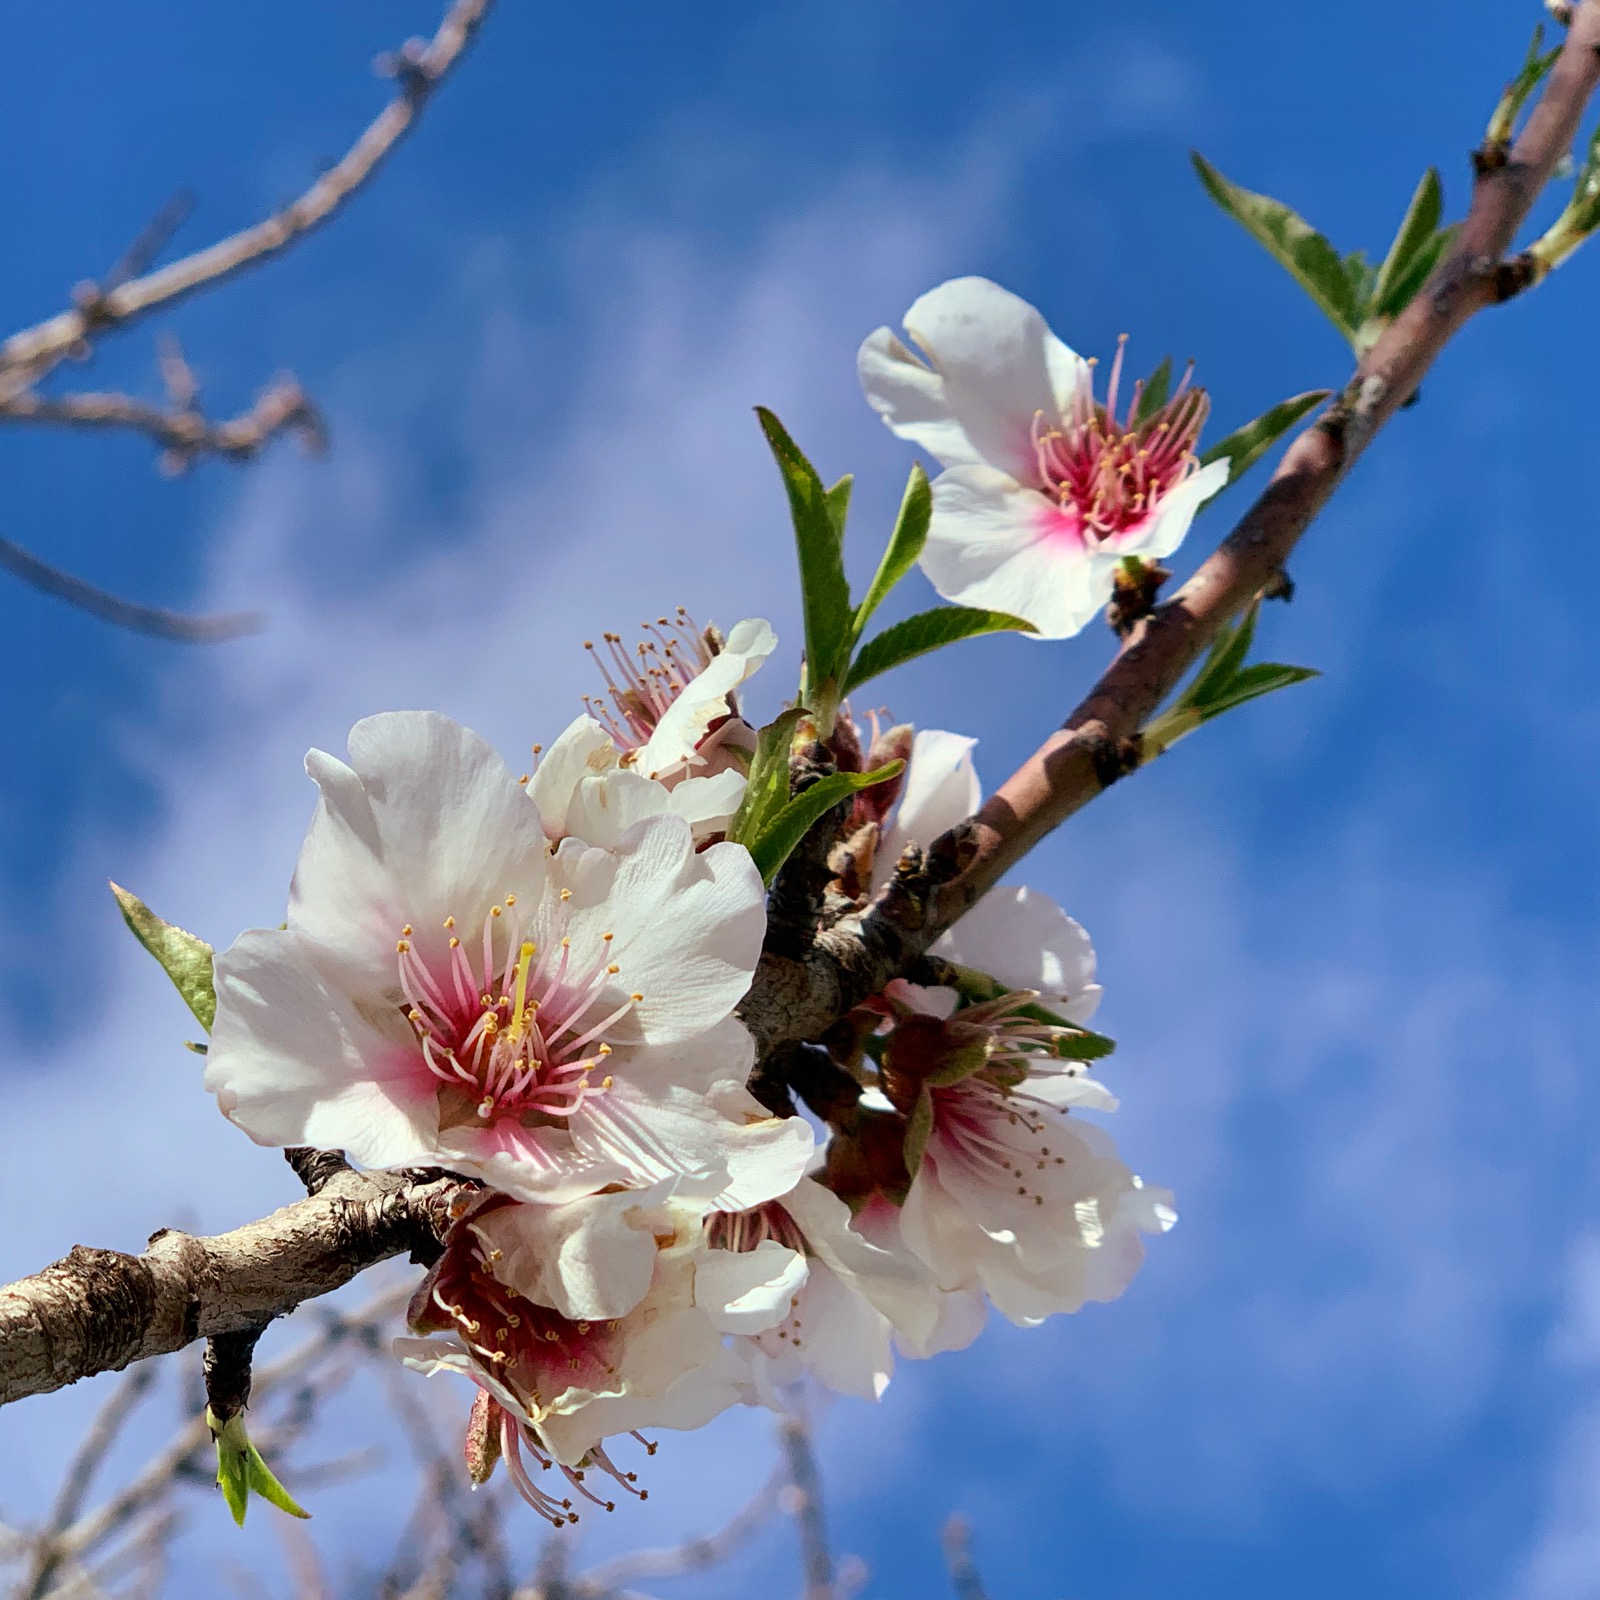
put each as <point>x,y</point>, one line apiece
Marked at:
<point>1347,936</point>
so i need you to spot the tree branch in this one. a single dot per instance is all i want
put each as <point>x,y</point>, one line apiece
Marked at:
<point>418,68</point>
<point>798,999</point>
<point>99,1310</point>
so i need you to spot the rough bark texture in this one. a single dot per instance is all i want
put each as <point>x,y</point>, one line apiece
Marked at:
<point>99,1310</point>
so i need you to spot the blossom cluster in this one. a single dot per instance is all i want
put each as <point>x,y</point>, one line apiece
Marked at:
<point>532,981</point>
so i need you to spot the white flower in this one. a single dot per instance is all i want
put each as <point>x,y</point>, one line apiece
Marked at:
<point>1009,1193</point>
<point>840,1317</point>
<point>1014,933</point>
<point>582,789</point>
<point>1045,490</point>
<point>564,1384</point>
<point>674,708</point>
<point>451,990</point>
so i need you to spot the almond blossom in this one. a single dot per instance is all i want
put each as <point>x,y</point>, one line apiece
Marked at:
<point>673,706</point>
<point>560,1387</point>
<point>582,789</point>
<point>1010,1194</point>
<point>845,1310</point>
<point>1045,489</point>
<point>452,990</point>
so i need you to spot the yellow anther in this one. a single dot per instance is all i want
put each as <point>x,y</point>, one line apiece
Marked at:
<point>537,748</point>
<point>566,894</point>
<point>613,969</point>
<point>449,922</point>
<point>604,1050</point>
<point>566,944</point>
<point>527,777</point>
<point>605,1083</point>
<point>406,930</point>
<point>401,946</point>
<point>486,1107</point>
<point>636,997</point>
<point>511,899</point>
<point>608,937</point>
<point>494,911</point>
<point>455,943</point>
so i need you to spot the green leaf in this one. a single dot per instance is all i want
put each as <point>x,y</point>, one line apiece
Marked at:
<point>263,1483</point>
<point>1154,393</point>
<point>1291,241</point>
<point>919,1126</point>
<point>766,792</point>
<point>839,502</point>
<point>824,591</point>
<point>1360,275</point>
<point>777,841</point>
<point>927,630</point>
<point>184,958</point>
<point>1417,229</point>
<point>1222,683</point>
<point>1245,446</point>
<point>1535,66</point>
<point>1411,277</point>
<point>905,545</point>
<point>241,1471</point>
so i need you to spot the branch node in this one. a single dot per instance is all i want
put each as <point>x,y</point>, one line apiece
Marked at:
<point>315,1167</point>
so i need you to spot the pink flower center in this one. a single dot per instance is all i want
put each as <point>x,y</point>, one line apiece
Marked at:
<point>745,1230</point>
<point>533,1352</point>
<point>513,1035</point>
<point>640,687</point>
<point>1001,1136</point>
<point>1110,476</point>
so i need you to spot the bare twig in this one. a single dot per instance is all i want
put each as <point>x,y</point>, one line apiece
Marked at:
<point>183,431</point>
<point>803,1501</point>
<point>964,1578</point>
<point>418,69</point>
<point>124,613</point>
<point>79,1478</point>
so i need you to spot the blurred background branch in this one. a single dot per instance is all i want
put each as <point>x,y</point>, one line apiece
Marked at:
<point>134,287</point>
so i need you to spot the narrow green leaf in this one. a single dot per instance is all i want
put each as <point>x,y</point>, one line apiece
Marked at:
<point>1223,661</point>
<point>184,958</point>
<point>1535,66</point>
<point>1290,240</point>
<point>1417,228</point>
<point>905,545</point>
<point>1265,677</point>
<point>767,791</point>
<point>839,502</point>
<point>233,1479</point>
<point>1416,272</point>
<point>824,591</point>
<point>778,839</point>
<point>1245,446</point>
<point>927,630</point>
<point>919,1126</point>
<point>267,1486</point>
<point>1154,393</point>
<point>1360,275</point>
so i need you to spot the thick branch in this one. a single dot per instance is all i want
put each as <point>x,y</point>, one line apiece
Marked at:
<point>799,999</point>
<point>100,1310</point>
<point>418,70</point>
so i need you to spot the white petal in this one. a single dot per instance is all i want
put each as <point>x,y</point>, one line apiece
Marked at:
<point>592,1259</point>
<point>995,367</point>
<point>996,544</point>
<point>1027,941</point>
<point>845,1341</point>
<point>292,1061</point>
<point>426,822</point>
<point>584,750</point>
<point>705,699</point>
<point>941,789</point>
<point>745,1291</point>
<point>1174,514</point>
<point>687,925</point>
